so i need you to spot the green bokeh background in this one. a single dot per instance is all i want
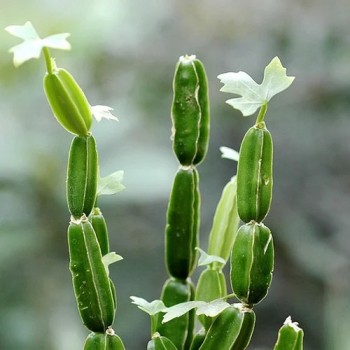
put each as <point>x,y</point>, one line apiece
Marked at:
<point>124,54</point>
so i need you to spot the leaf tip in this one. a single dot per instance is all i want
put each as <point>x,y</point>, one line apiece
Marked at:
<point>103,112</point>
<point>229,153</point>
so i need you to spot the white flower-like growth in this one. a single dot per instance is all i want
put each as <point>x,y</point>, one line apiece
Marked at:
<point>229,153</point>
<point>32,44</point>
<point>254,95</point>
<point>102,112</point>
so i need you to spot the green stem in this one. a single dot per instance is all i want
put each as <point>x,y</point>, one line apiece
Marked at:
<point>48,60</point>
<point>153,324</point>
<point>261,114</point>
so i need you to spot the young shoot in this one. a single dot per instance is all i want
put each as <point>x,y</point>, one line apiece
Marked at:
<point>254,95</point>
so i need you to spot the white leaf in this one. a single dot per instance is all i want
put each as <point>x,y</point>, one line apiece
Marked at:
<point>102,112</point>
<point>252,94</point>
<point>25,32</point>
<point>26,51</point>
<point>111,184</point>
<point>229,153</point>
<point>206,259</point>
<point>32,44</point>
<point>213,308</point>
<point>109,259</point>
<point>242,84</point>
<point>151,308</point>
<point>181,309</point>
<point>57,41</point>
<point>275,79</point>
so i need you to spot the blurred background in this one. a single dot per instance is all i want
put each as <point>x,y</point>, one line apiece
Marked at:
<point>123,55</point>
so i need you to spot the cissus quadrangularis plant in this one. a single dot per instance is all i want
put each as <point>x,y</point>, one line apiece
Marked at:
<point>252,255</point>
<point>87,232</point>
<point>246,197</point>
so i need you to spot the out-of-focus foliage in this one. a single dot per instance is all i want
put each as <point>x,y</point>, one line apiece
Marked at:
<point>123,55</point>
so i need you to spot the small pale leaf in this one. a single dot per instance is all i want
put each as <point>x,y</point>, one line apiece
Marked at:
<point>111,184</point>
<point>229,153</point>
<point>103,112</point>
<point>206,259</point>
<point>181,309</point>
<point>252,94</point>
<point>32,44</point>
<point>109,259</point>
<point>213,308</point>
<point>26,51</point>
<point>25,32</point>
<point>150,308</point>
<point>57,41</point>
<point>275,79</point>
